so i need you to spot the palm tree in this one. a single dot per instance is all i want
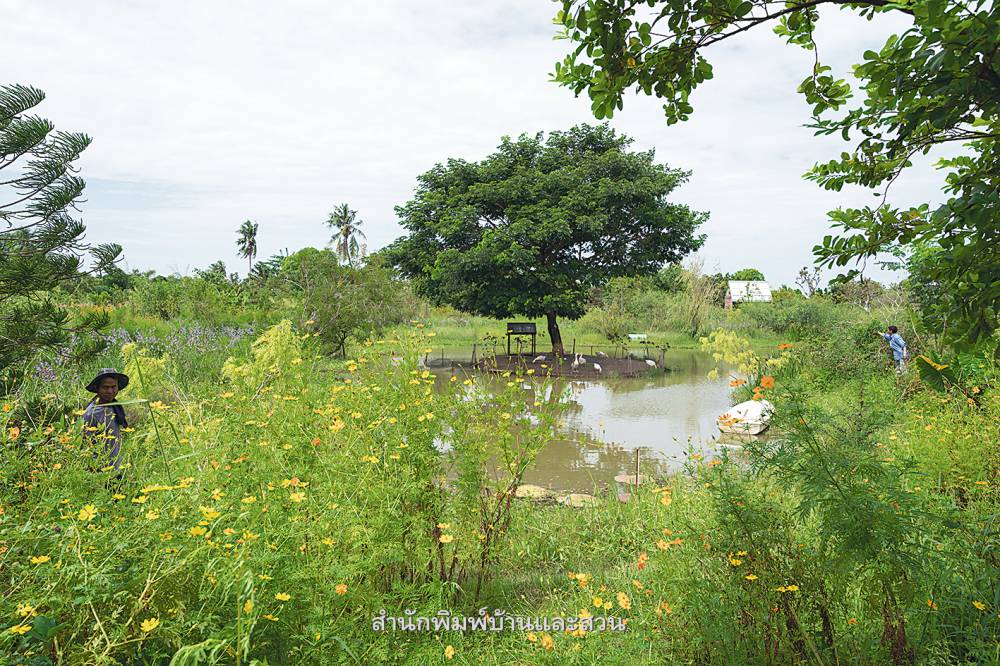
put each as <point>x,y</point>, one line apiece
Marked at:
<point>247,242</point>
<point>346,232</point>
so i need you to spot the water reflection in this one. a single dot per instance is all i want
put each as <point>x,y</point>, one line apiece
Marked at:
<point>662,415</point>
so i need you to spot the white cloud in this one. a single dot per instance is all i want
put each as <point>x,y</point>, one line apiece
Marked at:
<point>205,114</point>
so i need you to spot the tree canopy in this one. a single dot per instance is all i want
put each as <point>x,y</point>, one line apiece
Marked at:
<point>936,83</point>
<point>343,301</point>
<point>533,227</point>
<point>41,242</point>
<point>750,274</point>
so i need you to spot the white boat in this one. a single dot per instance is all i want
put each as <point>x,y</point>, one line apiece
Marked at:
<point>747,418</point>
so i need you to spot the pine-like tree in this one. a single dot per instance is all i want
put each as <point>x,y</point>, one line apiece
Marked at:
<point>41,242</point>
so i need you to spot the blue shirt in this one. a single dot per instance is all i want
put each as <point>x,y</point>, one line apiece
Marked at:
<point>897,344</point>
<point>102,429</point>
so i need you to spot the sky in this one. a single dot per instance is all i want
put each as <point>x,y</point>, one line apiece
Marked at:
<point>205,114</point>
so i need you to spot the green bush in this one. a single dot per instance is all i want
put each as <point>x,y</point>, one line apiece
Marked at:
<point>799,318</point>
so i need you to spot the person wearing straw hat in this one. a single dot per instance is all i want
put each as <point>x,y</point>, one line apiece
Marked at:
<point>103,423</point>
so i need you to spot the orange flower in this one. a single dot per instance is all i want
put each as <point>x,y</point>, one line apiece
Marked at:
<point>737,382</point>
<point>783,346</point>
<point>767,381</point>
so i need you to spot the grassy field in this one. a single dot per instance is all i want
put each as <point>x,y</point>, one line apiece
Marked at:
<point>456,333</point>
<point>278,499</point>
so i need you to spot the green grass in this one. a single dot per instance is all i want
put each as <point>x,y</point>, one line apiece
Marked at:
<point>185,546</point>
<point>456,333</point>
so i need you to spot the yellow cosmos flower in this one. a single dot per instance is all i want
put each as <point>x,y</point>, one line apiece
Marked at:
<point>547,642</point>
<point>623,600</point>
<point>340,589</point>
<point>149,624</point>
<point>20,629</point>
<point>247,606</point>
<point>282,596</point>
<point>750,577</point>
<point>446,538</point>
<point>979,605</point>
<point>297,497</point>
<point>197,531</point>
<point>40,559</point>
<point>449,652</point>
<point>87,513</point>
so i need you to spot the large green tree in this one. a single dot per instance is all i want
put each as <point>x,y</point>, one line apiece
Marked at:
<point>937,83</point>
<point>533,227</point>
<point>41,241</point>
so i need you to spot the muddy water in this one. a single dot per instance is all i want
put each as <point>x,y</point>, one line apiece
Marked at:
<point>663,416</point>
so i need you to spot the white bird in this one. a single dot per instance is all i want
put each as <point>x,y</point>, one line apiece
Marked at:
<point>602,354</point>
<point>597,366</point>
<point>650,362</point>
<point>576,362</point>
<point>538,359</point>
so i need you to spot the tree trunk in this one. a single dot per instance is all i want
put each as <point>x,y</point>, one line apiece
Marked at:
<point>554,335</point>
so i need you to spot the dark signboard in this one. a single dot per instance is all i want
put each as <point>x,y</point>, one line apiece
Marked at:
<point>520,328</point>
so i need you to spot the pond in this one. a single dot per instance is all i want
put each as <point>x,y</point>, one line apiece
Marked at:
<point>663,416</point>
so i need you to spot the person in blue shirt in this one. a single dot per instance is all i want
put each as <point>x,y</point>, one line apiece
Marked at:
<point>898,347</point>
<point>102,422</point>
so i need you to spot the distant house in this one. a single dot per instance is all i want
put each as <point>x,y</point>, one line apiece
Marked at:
<point>744,291</point>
